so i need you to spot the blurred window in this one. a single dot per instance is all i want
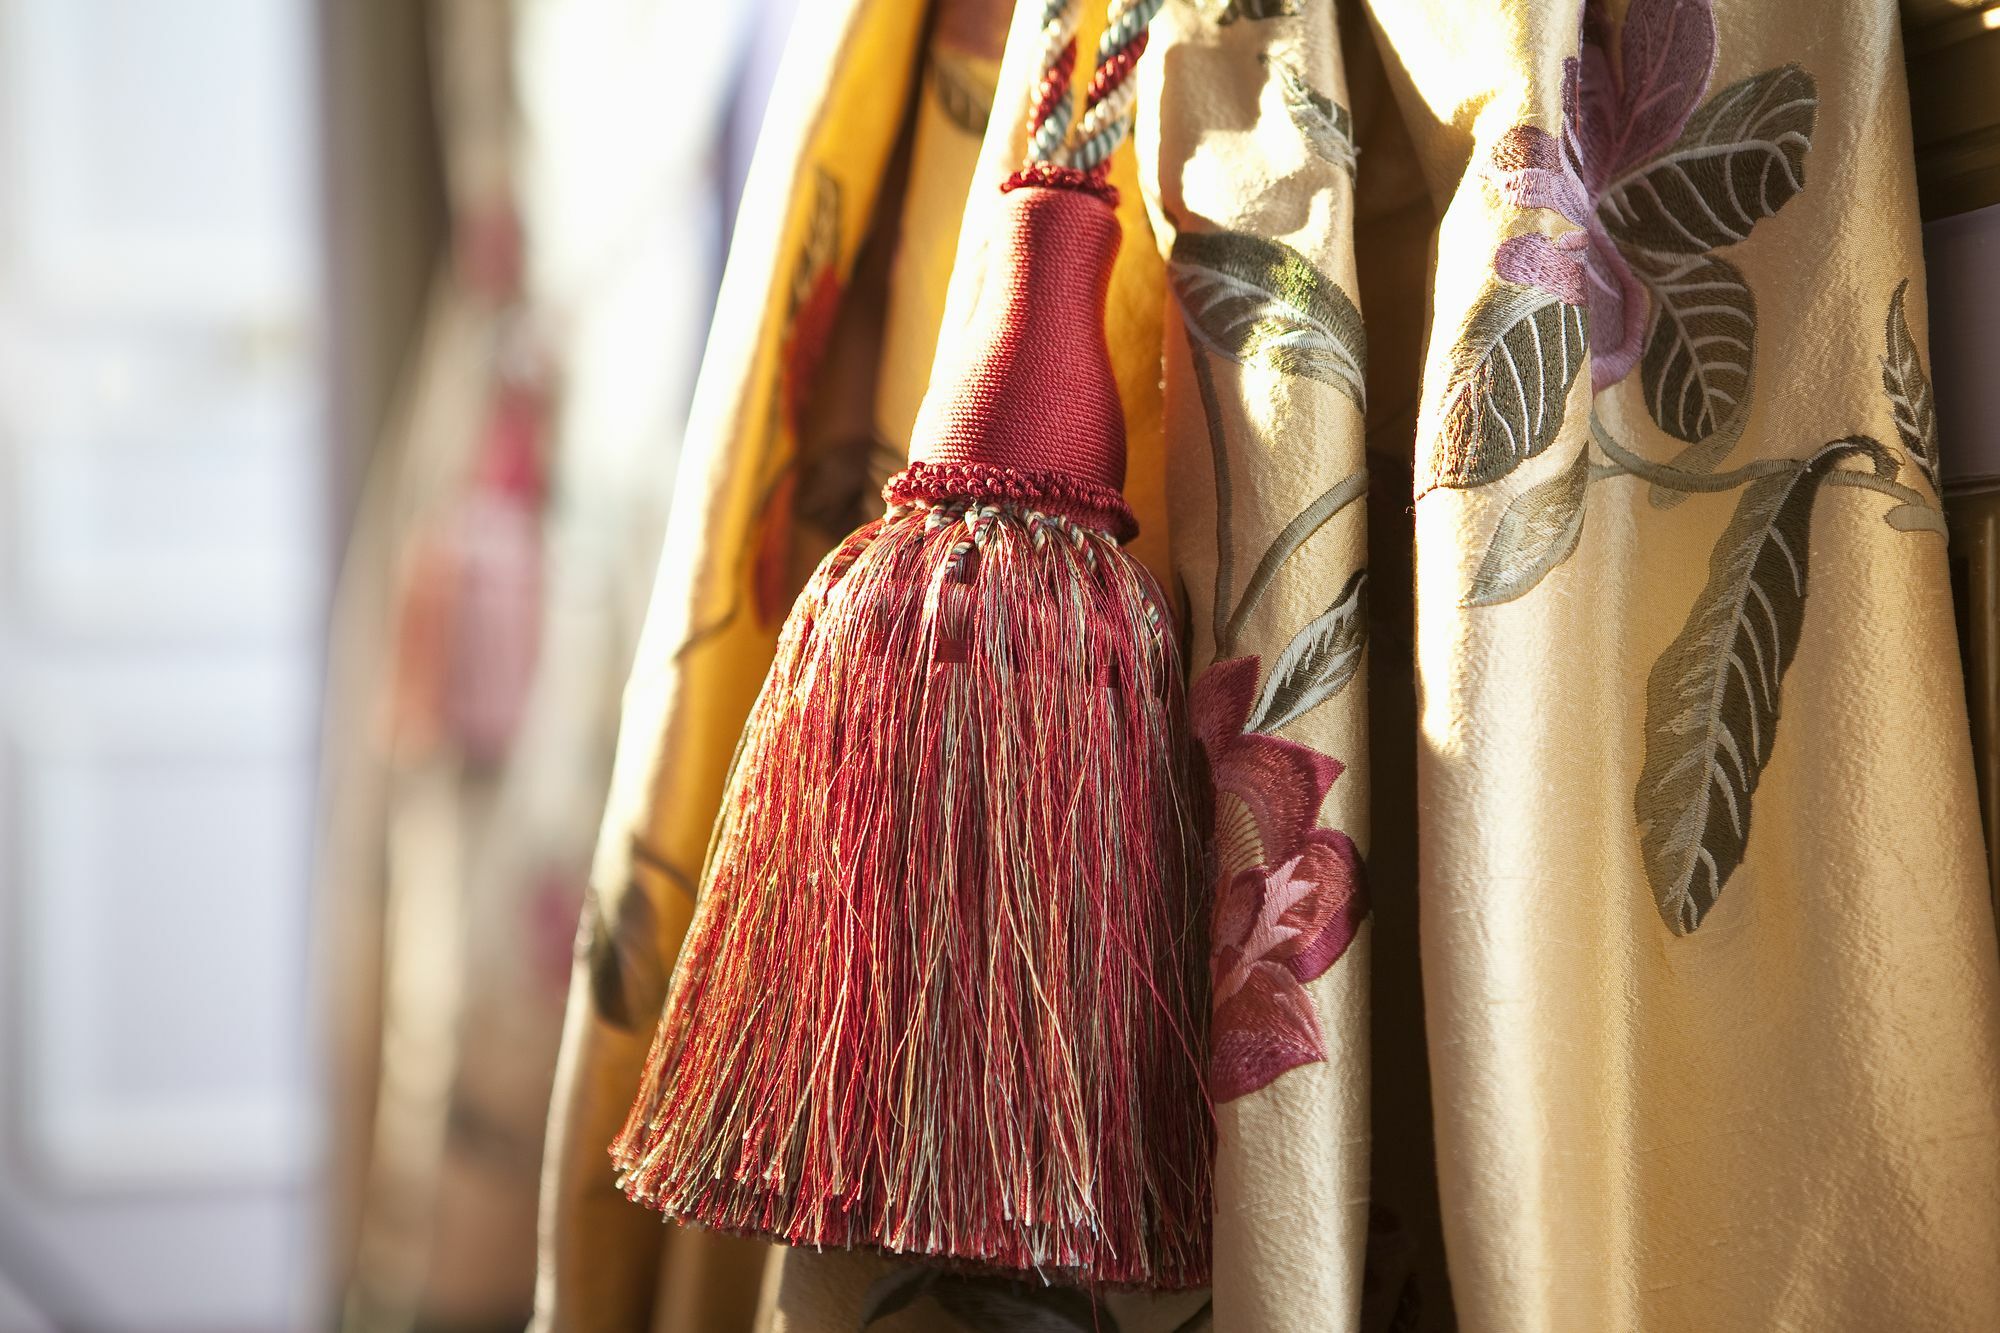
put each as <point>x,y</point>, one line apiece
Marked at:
<point>162,573</point>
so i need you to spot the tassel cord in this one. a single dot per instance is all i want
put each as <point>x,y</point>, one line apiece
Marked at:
<point>1057,136</point>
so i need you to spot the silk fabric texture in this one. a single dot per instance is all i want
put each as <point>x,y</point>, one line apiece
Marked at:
<point>1668,996</point>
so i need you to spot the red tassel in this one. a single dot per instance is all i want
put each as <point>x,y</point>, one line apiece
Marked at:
<point>945,988</point>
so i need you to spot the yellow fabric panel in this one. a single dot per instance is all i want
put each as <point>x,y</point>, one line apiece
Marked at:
<point>839,106</point>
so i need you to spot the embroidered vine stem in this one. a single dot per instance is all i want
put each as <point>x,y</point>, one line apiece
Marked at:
<point>1309,520</point>
<point>1916,512</point>
<point>1626,463</point>
<point>1868,481</point>
<point>1218,448</point>
<point>1228,624</point>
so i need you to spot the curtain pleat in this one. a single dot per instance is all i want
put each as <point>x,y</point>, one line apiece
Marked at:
<point>1530,421</point>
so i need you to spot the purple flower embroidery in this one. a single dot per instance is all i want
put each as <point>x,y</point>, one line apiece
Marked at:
<point>1290,894</point>
<point>1618,116</point>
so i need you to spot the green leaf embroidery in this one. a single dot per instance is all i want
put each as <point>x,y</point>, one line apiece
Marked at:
<point>1909,390</point>
<point>628,978</point>
<point>1260,302</point>
<point>964,97</point>
<point>1509,383</point>
<point>1324,123</point>
<point>1740,159</point>
<point>1537,531</point>
<point>1916,518</point>
<point>1224,12</point>
<point>1696,367</point>
<point>1318,662</point>
<point>1705,455</point>
<point>982,1304</point>
<point>895,1291</point>
<point>1712,698</point>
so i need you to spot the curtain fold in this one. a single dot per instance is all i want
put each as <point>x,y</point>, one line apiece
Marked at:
<point>1710,979</point>
<point>1249,155</point>
<point>1529,418</point>
<point>769,477</point>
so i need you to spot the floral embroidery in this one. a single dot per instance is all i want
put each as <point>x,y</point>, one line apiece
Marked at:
<point>1617,117</point>
<point>1655,181</point>
<point>1290,893</point>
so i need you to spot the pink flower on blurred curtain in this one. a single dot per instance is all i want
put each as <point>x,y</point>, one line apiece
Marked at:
<point>1618,116</point>
<point>1290,894</point>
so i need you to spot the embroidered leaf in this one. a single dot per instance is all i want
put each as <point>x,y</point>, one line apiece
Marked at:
<point>983,1304</point>
<point>1712,698</point>
<point>1279,784</point>
<point>1258,301</point>
<point>895,1291</point>
<point>1537,531</point>
<point>1509,383</point>
<point>965,98</point>
<point>1909,390</point>
<point>1325,124</point>
<point>1696,368</point>
<point>628,981</point>
<point>1705,455</point>
<point>1916,518</point>
<point>1740,159</point>
<point>1228,11</point>
<point>1318,662</point>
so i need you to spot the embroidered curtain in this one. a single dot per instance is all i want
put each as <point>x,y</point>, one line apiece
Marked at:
<point>1530,417</point>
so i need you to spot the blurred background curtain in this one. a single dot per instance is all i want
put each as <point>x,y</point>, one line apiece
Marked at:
<point>493,587</point>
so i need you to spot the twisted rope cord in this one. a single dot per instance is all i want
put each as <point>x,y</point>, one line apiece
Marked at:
<point>1049,122</point>
<point>1107,109</point>
<point>1086,143</point>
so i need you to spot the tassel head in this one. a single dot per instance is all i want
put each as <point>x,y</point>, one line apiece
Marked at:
<point>1025,411</point>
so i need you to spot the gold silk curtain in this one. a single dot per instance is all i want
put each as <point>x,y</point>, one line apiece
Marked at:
<point>1531,421</point>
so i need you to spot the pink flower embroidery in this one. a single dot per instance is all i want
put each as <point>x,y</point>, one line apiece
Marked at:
<point>1617,117</point>
<point>1290,894</point>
